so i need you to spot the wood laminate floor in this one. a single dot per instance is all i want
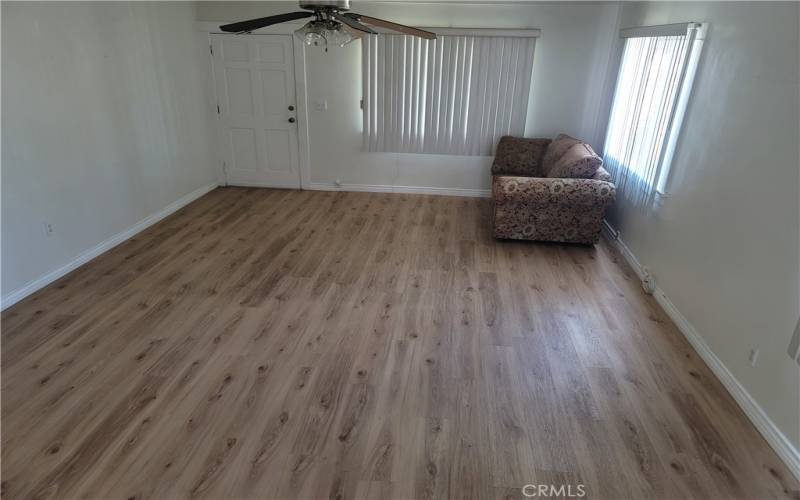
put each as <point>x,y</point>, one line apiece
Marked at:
<point>299,344</point>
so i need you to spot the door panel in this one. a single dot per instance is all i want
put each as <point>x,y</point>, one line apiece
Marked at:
<point>254,83</point>
<point>239,91</point>
<point>279,142</point>
<point>245,149</point>
<point>273,85</point>
<point>271,53</point>
<point>235,49</point>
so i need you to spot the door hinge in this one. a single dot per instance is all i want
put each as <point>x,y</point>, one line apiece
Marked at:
<point>362,104</point>
<point>211,49</point>
<point>218,109</point>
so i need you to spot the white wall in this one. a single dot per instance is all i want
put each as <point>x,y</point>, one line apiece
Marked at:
<point>724,247</point>
<point>104,124</point>
<point>571,58</point>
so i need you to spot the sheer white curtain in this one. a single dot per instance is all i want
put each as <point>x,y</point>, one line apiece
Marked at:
<point>455,95</point>
<point>655,77</point>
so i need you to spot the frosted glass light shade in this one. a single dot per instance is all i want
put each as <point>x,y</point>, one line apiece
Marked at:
<point>321,33</point>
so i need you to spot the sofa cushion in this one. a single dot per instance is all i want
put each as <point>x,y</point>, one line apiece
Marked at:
<point>579,162</point>
<point>539,192</point>
<point>556,150</point>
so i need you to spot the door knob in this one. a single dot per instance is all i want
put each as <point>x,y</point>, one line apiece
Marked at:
<point>291,120</point>
<point>291,108</point>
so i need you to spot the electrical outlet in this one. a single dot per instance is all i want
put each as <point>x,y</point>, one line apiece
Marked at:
<point>648,283</point>
<point>48,229</point>
<point>321,105</point>
<point>753,357</point>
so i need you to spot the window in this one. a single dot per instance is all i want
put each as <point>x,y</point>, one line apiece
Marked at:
<point>455,95</point>
<point>655,79</point>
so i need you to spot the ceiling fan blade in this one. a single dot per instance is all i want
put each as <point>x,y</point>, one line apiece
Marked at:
<point>348,20</point>
<point>254,24</point>
<point>408,30</point>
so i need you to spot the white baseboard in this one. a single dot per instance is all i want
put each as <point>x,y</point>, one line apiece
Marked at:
<point>379,188</point>
<point>104,246</point>
<point>774,436</point>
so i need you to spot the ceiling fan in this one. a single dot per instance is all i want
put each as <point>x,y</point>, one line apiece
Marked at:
<point>331,24</point>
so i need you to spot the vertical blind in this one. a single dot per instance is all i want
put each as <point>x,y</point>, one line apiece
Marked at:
<point>455,95</point>
<point>654,81</point>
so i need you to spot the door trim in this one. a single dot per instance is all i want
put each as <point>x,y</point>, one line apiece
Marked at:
<point>301,94</point>
<point>206,29</point>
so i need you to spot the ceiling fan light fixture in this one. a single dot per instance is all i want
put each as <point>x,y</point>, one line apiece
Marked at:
<point>313,33</point>
<point>320,33</point>
<point>339,36</point>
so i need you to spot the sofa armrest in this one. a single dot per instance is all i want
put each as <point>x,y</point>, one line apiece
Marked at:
<point>551,191</point>
<point>602,175</point>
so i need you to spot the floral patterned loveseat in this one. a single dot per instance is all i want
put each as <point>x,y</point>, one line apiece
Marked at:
<point>549,190</point>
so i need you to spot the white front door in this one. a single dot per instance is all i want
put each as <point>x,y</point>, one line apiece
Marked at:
<point>255,90</point>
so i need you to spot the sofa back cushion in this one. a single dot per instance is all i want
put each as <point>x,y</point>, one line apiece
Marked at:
<point>579,162</point>
<point>519,156</point>
<point>556,150</point>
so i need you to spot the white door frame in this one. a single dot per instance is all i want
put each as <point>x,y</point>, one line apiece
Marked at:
<point>206,29</point>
